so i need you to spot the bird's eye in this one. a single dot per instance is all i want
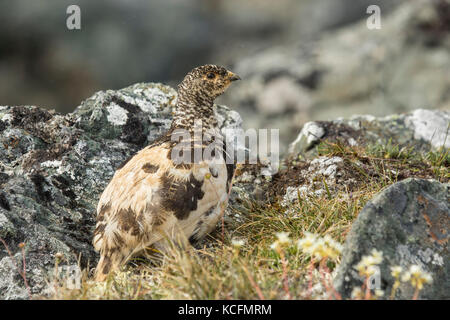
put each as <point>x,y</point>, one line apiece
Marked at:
<point>211,75</point>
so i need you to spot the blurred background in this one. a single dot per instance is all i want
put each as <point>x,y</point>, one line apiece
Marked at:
<point>300,60</point>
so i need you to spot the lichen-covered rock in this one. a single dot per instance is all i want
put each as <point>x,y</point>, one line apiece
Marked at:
<point>310,135</point>
<point>423,129</point>
<point>54,167</point>
<point>409,223</point>
<point>322,176</point>
<point>430,126</point>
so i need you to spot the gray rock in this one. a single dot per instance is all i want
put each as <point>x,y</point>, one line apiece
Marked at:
<point>54,167</point>
<point>311,134</point>
<point>409,223</point>
<point>323,176</point>
<point>431,126</point>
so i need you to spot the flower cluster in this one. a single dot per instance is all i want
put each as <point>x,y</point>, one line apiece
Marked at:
<point>417,277</point>
<point>367,266</point>
<point>320,248</point>
<point>282,241</point>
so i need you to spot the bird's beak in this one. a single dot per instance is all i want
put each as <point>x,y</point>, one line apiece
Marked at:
<point>234,77</point>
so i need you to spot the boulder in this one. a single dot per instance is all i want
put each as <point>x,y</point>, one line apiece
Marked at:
<point>54,167</point>
<point>423,129</point>
<point>409,223</point>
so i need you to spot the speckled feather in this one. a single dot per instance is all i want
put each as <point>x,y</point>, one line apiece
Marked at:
<point>151,199</point>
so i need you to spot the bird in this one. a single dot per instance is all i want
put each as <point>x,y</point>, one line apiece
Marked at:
<point>154,197</point>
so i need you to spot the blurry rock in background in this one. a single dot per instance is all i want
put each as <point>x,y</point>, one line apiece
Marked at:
<point>124,42</point>
<point>354,70</point>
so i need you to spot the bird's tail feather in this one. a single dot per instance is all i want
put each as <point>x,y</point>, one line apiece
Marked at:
<point>109,263</point>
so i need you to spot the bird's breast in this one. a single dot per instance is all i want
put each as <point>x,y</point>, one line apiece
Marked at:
<point>212,175</point>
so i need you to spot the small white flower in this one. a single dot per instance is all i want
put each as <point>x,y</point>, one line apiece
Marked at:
<point>406,276</point>
<point>366,266</point>
<point>275,246</point>
<point>396,271</point>
<point>371,270</point>
<point>307,242</point>
<point>357,293</point>
<point>237,243</point>
<point>415,270</point>
<point>318,247</point>
<point>417,277</point>
<point>283,238</point>
<point>379,293</point>
<point>377,256</point>
<point>427,278</point>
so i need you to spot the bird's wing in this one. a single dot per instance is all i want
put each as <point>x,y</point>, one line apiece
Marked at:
<point>130,205</point>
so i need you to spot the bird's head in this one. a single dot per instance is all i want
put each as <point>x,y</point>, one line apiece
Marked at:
<point>205,83</point>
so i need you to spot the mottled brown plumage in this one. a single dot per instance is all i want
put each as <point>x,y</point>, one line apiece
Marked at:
<point>152,198</point>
